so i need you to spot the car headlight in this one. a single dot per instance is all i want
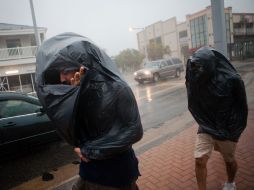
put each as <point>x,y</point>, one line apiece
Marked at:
<point>147,73</point>
<point>135,74</point>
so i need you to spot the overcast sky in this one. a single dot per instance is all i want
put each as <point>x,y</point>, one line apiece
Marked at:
<point>105,22</point>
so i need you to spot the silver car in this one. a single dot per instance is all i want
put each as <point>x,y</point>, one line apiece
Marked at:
<point>155,70</point>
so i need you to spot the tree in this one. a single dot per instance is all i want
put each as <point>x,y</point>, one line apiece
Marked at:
<point>157,50</point>
<point>129,60</point>
<point>167,50</point>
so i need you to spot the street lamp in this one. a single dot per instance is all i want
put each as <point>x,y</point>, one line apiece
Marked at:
<point>145,39</point>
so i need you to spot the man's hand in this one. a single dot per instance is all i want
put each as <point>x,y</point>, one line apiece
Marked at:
<point>82,157</point>
<point>75,81</point>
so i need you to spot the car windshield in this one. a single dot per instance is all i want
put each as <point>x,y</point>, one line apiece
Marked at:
<point>152,65</point>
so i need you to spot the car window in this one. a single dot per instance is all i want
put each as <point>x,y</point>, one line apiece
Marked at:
<point>163,64</point>
<point>154,64</point>
<point>176,61</point>
<point>169,62</point>
<point>10,108</point>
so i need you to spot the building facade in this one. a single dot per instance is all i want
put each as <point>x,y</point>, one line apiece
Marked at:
<point>17,57</point>
<point>243,30</point>
<point>162,32</point>
<point>197,31</point>
<point>200,28</point>
<point>183,41</point>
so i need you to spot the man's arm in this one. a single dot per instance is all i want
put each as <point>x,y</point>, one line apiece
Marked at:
<point>240,112</point>
<point>126,131</point>
<point>236,121</point>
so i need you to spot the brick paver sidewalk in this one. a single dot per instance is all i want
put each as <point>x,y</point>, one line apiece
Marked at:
<point>171,165</point>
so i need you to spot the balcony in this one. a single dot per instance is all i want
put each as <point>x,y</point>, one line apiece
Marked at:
<point>18,53</point>
<point>239,31</point>
<point>244,31</point>
<point>249,31</point>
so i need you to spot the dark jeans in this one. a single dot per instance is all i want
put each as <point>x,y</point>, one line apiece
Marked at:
<point>81,184</point>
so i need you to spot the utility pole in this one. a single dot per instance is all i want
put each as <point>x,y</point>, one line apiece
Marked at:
<point>37,37</point>
<point>219,28</point>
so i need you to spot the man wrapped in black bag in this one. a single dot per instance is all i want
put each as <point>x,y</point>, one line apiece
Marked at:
<point>93,109</point>
<point>217,101</point>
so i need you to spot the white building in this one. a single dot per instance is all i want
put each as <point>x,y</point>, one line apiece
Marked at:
<point>162,32</point>
<point>197,31</point>
<point>17,57</point>
<point>183,41</point>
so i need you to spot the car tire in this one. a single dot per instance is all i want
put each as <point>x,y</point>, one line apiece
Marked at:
<point>156,77</point>
<point>178,73</point>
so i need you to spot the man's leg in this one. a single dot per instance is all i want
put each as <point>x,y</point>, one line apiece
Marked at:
<point>227,150</point>
<point>201,171</point>
<point>203,149</point>
<point>231,170</point>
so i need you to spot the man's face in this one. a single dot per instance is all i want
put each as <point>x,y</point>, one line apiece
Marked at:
<point>198,71</point>
<point>66,76</point>
<point>197,68</point>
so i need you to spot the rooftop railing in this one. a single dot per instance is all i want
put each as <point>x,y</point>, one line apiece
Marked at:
<point>18,53</point>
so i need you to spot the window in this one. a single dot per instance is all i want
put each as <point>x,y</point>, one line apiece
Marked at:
<point>158,40</point>
<point>151,41</point>
<point>13,44</point>
<point>11,108</point>
<point>183,34</point>
<point>237,25</point>
<point>249,25</point>
<point>26,83</point>
<point>163,64</point>
<point>169,62</point>
<point>14,83</point>
<point>199,31</point>
<point>176,61</point>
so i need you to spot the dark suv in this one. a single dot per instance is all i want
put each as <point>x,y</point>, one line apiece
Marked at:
<point>162,68</point>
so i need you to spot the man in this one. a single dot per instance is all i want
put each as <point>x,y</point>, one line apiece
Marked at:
<point>217,101</point>
<point>93,109</point>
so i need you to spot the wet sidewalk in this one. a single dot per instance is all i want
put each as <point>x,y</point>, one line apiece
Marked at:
<point>170,166</point>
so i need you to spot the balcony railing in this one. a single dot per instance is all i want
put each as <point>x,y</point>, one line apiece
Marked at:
<point>18,52</point>
<point>239,31</point>
<point>250,31</point>
<point>244,31</point>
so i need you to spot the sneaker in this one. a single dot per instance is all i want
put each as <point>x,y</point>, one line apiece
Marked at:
<point>229,186</point>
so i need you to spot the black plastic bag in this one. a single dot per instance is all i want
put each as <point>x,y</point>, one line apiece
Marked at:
<point>110,117</point>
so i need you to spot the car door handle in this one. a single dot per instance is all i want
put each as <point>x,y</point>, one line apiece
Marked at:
<point>9,124</point>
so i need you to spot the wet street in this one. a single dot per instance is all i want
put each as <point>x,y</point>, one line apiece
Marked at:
<point>158,103</point>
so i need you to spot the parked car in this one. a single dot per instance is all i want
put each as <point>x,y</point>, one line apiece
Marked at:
<point>155,70</point>
<point>23,123</point>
